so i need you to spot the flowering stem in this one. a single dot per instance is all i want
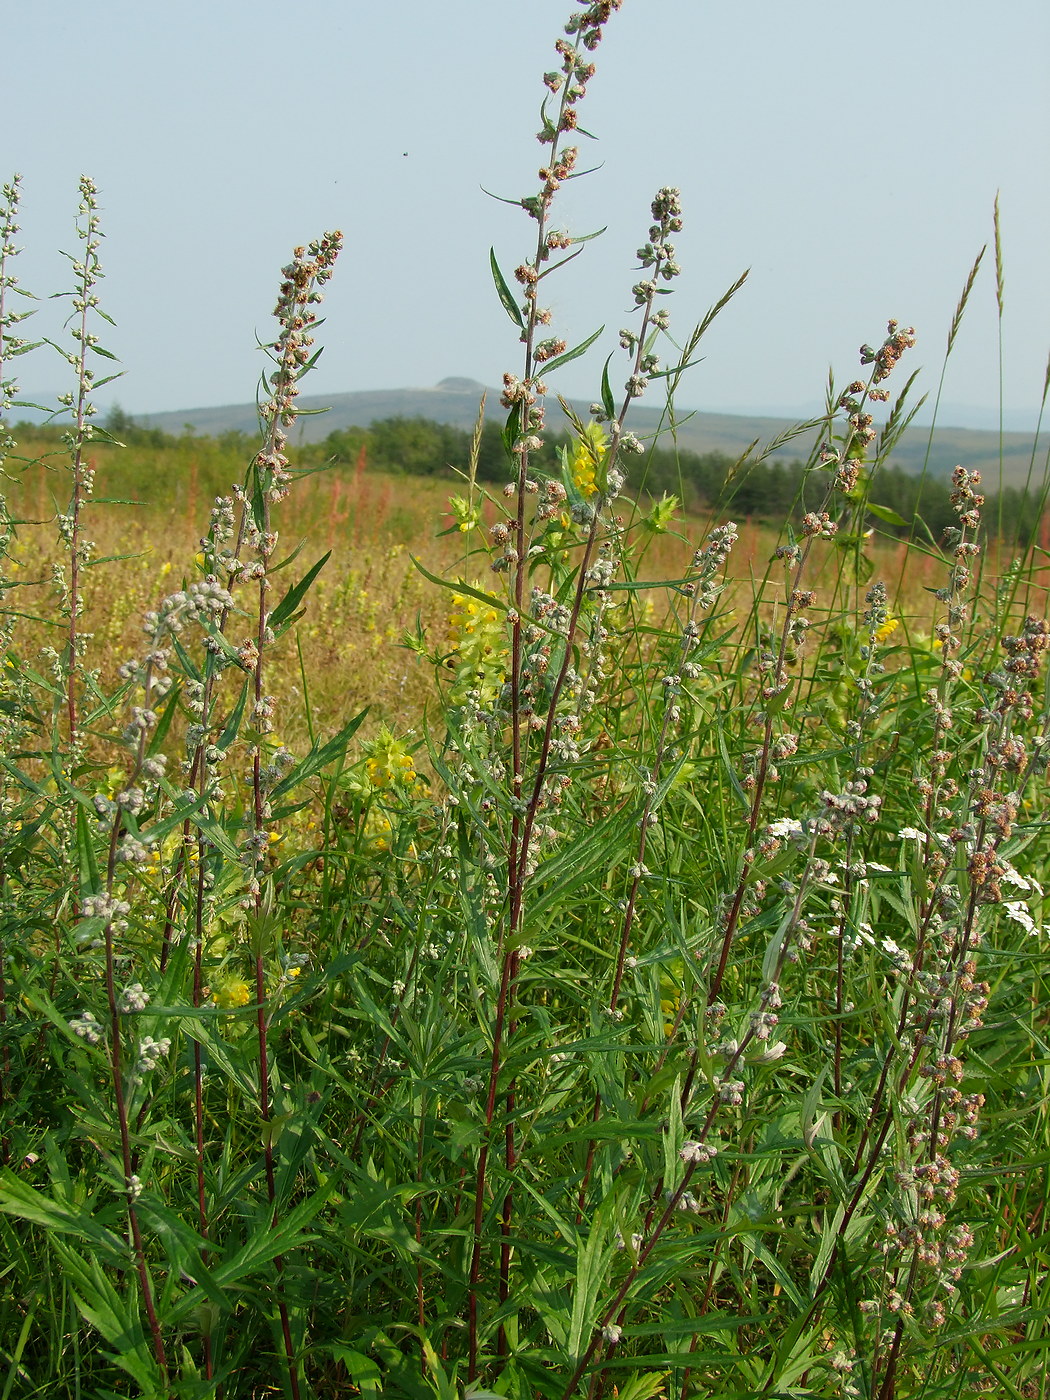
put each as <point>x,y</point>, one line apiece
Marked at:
<point>119,1095</point>
<point>269,479</point>
<point>559,168</point>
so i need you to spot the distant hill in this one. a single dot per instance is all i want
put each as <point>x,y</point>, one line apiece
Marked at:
<point>455,401</point>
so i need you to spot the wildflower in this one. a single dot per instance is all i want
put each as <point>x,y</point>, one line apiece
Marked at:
<point>1010,876</point>
<point>133,998</point>
<point>103,906</point>
<point>669,1008</point>
<point>377,830</point>
<point>697,1153</point>
<point>389,763</point>
<point>464,514</point>
<point>86,1026</point>
<point>1018,912</point>
<point>151,1052</point>
<point>612,1333</point>
<point>590,451</point>
<point>887,629</point>
<point>478,638</point>
<point>230,993</point>
<point>637,1240</point>
<point>292,964</point>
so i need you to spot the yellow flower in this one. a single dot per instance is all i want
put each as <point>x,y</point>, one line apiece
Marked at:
<point>590,450</point>
<point>465,515</point>
<point>478,635</point>
<point>230,993</point>
<point>669,1008</point>
<point>887,629</point>
<point>389,763</point>
<point>377,830</point>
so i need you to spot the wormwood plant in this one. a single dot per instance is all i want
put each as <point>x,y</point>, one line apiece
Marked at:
<point>664,1016</point>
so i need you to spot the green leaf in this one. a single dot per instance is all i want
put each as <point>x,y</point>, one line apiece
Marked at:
<point>591,1265</point>
<point>506,296</point>
<point>573,354</point>
<point>115,1317</point>
<point>269,1240</point>
<point>19,1199</point>
<point>320,756</point>
<point>233,722</point>
<point>89,877</point>
<point>362,1370</point>
<point>608,402</point>
<point>586,237</point>
<point>106,354</point>
<point>641,1385</point>
<point>559,875</point>
<point>284,613</point>
<point>458,586</point>
<point>884,513</point>
<point>167,715</point>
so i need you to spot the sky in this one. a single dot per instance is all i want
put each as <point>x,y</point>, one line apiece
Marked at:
<point>850,158</point>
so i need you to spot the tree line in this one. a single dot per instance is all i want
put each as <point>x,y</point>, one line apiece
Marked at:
<point>703,482</point>
<point>708,482</point>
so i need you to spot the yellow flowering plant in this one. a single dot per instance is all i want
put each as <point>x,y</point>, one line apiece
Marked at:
<point>478,645</point>
<point>585,470</point>
<point>389,765</point>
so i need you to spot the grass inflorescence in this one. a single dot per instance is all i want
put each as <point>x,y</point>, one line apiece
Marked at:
<point>538,942</point>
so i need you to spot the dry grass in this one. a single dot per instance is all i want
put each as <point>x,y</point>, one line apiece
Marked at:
<point>370,594</point>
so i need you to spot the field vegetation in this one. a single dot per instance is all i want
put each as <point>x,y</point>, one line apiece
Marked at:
<point>487,915</point>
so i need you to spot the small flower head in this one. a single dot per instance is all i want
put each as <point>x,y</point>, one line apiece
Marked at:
<point>230,993</point>
<point>587,459</point>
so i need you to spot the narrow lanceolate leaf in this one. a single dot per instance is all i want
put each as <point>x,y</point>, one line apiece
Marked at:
<point>573,354</point>
<point>458,586</point>
<point>506,296</point>
<point>320,756</point>
<point>284,613</point>
<point>608,402</point>
<point>89,876</point>
<point>884,513</point>
<point>586,237</point>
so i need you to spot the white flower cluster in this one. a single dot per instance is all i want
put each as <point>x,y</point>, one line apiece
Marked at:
<point>133,998</point>
<point>104,906</point>
<point>151,1052</point>
<point>697,1153</point>
<point>87,1027</point>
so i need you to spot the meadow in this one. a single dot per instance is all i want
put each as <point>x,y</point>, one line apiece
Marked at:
<point>466,938</point>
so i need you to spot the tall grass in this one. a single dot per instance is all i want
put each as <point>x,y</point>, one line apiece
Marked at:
<point>649,998</point>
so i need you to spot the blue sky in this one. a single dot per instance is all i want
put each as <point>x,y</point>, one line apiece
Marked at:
<point>850,158</point>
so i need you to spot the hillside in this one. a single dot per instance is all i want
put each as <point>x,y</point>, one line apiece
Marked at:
<point>455,401</point>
